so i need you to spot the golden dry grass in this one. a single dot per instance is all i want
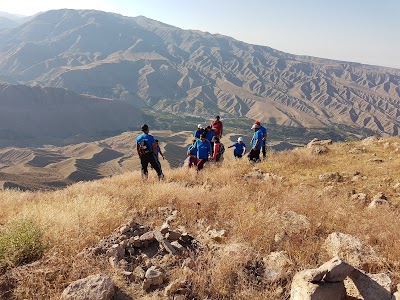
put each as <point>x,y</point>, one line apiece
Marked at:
<point>220,197</point>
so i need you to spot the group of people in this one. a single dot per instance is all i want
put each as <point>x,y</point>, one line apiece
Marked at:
<point>206,145</point>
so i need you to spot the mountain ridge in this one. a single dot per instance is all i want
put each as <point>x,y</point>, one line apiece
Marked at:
<point>189,72</point>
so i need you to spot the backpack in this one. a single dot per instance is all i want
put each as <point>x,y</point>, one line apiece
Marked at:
<point>143,148</point>
<point>221,148</point>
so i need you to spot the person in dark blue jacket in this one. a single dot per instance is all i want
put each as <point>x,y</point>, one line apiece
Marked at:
<point>146,147</point>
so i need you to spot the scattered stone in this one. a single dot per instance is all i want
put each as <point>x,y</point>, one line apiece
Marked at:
<point>337,270</point>
<point>94,287</point>
<point>352,250</point>
<point>376,160</point>
<point>124,229</point>
<point>168,247</point>
<point>317,142</point>
<point>148,237</point>
<point>396,295</point>
<point>153,277</point>
<point>276,266</point>
<point>188,263</point>
<point>378,200</point>
<point>136,242</point>
<point>116,251</point>
<point>178,247</point>
<point>164,228</point>
<point>187,238</point>
<point>331,177</point>
<point>370,140</point>
<point>359,197</point>
<point>139,273</point>
<point>361,285</point>
<point>217,235</point>
<point>113,262</point>
<point>396,185</point>
<point>173,235</point>
<point>174,287</point>
<point>319,150</point>
<point>358,150</point>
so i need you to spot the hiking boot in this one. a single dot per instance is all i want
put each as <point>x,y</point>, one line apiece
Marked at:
<point>161,177</point>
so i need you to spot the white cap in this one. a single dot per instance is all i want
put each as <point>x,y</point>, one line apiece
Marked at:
<point>255,126</point>
<point>240,139</point>
<point>199,126</point>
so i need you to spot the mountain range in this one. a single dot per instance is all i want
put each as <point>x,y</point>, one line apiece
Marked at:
<point>160,67</point>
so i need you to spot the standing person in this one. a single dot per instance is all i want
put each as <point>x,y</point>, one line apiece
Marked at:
<point>209,135</point>
<point>240,148</point>
<point>192,154</point>
<point>199,131</point>
<point>256,144</point>
<point>159,151</point>
<point>217,127</point>
<point>203,148</point>
<point>264,143</point>
<point>219,149</point>
<point>146,147</point>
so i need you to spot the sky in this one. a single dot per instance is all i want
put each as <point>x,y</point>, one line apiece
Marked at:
<point>365,31</point>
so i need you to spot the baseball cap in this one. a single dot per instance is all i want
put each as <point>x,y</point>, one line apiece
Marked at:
<point>255,126</point>
<point>199,126</point>
<point>240,139</point>
<point>257,122</point>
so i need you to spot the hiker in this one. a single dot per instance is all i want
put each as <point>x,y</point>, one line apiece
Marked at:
<point>203,148</point>
<point>192,154</point>
<point>199,131</point>
<point>256,144</point>
<point>219,149</point>
<point>209,135</point>
<point>264,142</point>
<point>217,127</point>
<point>240,148</point>
<point>146,147</point>
<point>159,151</point>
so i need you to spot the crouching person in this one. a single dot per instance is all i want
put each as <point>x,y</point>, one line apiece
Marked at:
<point>192,155</point>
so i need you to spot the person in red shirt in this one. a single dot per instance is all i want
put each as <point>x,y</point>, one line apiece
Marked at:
<point>217,127</point>
<point>219,149</point>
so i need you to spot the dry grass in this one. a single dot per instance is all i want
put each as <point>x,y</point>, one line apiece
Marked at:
<point>220,197</point>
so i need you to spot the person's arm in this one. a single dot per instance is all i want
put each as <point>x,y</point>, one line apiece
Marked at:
<point>230,146</point>
<point>244,150</point>
<point>162,154</point>
<point>256,145</point>
<point>222,128</point>
<point>154,147</point>
<point>137,149</point>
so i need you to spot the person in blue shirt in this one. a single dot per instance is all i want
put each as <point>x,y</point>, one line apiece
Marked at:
<point>146,147</point>
<point>192,154</point>
<point>203,148</point>
<point>198,132</point>
<point>240,148</point>
<point>209,136</point>
<point>159,151</point>
<point>256,144</point>
<point>265,134</point>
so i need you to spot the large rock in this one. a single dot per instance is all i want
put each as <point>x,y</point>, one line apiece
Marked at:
<point>303,289</point>
<point>276,265</point>
<point>370,140</point>
<point>317,142</point>
<point>336,270</point>
<point>331,177</point>
<point>153,277</point>
<point>95,287</point>
<point>351,250</point>
<point>364,286</point>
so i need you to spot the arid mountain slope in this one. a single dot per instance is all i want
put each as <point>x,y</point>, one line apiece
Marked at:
<point>36,116</point>
<point>192,72</point>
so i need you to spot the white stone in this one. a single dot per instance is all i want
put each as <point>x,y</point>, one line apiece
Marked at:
<point>94,287</point>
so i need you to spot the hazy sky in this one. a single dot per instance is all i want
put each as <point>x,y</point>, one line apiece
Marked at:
<point>366,31</point>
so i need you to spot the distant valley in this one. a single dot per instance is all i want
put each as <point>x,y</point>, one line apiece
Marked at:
<point>160,68</point>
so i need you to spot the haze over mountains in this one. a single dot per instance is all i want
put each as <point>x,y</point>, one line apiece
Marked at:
<point>164,68</point>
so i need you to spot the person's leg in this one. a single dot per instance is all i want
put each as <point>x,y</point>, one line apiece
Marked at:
<point>144,162</point>
<point>264,149</point>
<point>212,148</point>
<point>257,156</point>
<point>200,163</point>
<point>155,163</point>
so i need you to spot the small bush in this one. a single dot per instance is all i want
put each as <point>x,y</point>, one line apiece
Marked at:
<point>20,243</point>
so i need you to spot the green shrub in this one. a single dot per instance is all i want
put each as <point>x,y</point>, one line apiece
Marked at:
<point>20,243</point>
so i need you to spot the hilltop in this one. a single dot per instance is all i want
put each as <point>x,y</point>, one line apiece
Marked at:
<point>163,68</point>
<point>242,217</point>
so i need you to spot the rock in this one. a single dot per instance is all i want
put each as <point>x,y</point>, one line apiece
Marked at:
<point>124,229</point>
<point>124,243</point>
<point>94,287</point>
<point>376,160</point>
<point>352,250</point>
<point>318,150</point>
<point>178,247</point>
<point>147,237</point>
<point>153,277</point>
<point>337,270</point>
<point>116,251</point>
<point>317,142</point>
<point>139,273</point>
<point>366,286</point>
<point>136,242</point>
<point>331,177</point>
<point>357,150</point>
<point>174,286</point>
<point>164,228</point>
<point>359,197</point>
<point>217,235</point>
<point>187,238</point>
<point>396,185</point>
<point>113,262</point>
<point>173,235</point>
<point>168,247</point>
<point>303,289</point>
<point>378,200</point>
<point>369,140</point>
<point>276,265</point>
<point>396,295</point>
